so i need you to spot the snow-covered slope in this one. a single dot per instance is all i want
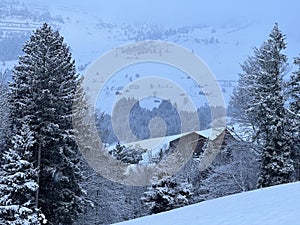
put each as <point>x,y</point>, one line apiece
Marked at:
<point>278,205</point>
<point>92,28</point>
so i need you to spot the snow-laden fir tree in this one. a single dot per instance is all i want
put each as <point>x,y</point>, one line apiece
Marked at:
<point>277,166</point>
<point>166,193</point>
<point>294,115</point>
<point>266,110</point>
<point>17,182</point>
<point>42,93</point>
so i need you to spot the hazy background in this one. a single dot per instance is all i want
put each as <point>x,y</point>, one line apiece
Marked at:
<point>187,12</point>
<point>222,33</point>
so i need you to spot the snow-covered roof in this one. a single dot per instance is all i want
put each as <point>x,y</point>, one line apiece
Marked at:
<point>153,146</point>
<point>211,133</point>
<point>156,143</point>
<point>163,142</point>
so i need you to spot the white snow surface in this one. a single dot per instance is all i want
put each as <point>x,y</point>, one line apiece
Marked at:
<point>277,205</point>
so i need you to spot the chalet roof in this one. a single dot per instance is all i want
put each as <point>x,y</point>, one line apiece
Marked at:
<point>154,145</point>
<point>163,142</point>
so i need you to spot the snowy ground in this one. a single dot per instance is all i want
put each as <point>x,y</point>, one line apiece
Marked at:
<point>278,205</point>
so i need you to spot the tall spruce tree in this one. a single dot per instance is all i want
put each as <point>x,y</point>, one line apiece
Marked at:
<point>42,94</point>
<point>271,116</point>
<point>266,110</point>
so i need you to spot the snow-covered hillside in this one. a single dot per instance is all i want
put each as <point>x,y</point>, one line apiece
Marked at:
<point>278,205</point>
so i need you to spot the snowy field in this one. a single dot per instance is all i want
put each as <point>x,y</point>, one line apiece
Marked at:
<point>278,205</point>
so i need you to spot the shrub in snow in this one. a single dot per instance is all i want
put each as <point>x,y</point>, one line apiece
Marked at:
<point>236,174</point>
<point>126,154</point>
<point>166,194</point>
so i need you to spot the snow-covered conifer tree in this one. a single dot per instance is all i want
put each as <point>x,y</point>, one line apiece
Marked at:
<point>263,104</point>
<point>294,116</point>
<point>42,93</point>
<point>270,113</point>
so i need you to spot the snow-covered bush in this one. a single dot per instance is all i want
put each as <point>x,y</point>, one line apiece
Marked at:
<point>128,155</point>
<point>166,194</point>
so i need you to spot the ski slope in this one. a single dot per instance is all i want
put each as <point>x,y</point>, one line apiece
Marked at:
<point>278,205</point>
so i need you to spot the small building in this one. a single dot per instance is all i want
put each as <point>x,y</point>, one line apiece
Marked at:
<point>205,142</point>
<point>199,139</point>
<point>194,139</point>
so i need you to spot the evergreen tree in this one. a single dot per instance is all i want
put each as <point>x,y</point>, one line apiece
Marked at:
<point>165,194</point>
<point>294,116</point>
<point>17,183</point>
<point>43,92</point>
<point>261,87</point>
<point>266,110</point>
<point>270,113</point>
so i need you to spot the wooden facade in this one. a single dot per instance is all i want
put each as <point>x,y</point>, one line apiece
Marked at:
<point>198,141</point>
